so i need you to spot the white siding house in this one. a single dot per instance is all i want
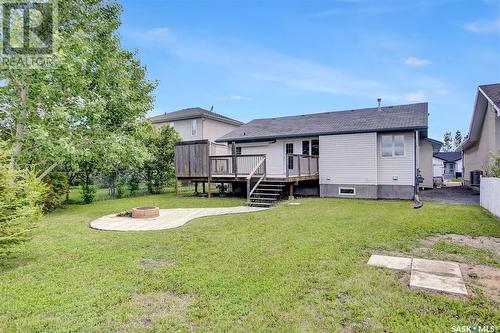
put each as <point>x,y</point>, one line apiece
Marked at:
<point>366,153</point>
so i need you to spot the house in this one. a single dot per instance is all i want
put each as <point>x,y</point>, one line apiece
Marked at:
<point>197,123</point>
<point>365,153</point>
<point>447,165</point>
<point>483,139</point>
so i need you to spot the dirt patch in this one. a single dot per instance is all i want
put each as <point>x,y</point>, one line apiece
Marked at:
<point>482,242</point>
<point>485,277</point>
<point>165,306</point>
<point>155,263</point>
<point>452,195</point>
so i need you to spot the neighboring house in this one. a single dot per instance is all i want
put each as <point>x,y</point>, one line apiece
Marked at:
<point>447,165</point>
<point>365,153</point>
<point>484,134</point>
<point>197,123</point>
<point>436,145</point>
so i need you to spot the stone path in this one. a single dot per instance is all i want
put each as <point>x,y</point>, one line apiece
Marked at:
<point>168,219</point>
<point>426,274</point>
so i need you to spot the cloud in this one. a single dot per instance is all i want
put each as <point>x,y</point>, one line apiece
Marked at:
<point>157,35</point>
<point>415,96</point>
<point>416,62</point>
<point>231,98</point>
<point>483,27</point>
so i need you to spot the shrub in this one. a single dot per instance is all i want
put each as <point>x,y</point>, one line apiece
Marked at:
<point>493,169</point>
<point>56,184</point>
<point>21,197</point>
<point>133,183</point>
<point>120,187</point>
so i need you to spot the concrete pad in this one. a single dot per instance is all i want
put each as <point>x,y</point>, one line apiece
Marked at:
<point>396,263</point>
<point>168,219</point>
<point>436,267</point>
<point>450,284</point>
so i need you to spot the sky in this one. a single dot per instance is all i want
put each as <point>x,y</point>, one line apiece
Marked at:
<point>259,59</point>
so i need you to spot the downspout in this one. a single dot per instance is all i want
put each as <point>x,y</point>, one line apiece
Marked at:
<point>418,203</point>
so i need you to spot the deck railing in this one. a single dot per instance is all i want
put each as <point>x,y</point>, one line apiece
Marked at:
<point>236,165</point>
<point>299,165</point>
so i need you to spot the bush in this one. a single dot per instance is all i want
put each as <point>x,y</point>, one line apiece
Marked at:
<point>133,183</point>
<point>88,192</point>
<point>120,187</point>
<point>493,169</point>
<point>56,184</point>
<point>21,197</point>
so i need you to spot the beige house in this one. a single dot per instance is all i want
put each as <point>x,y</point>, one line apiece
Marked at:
<point>484,134</point>
<point>194,124</point>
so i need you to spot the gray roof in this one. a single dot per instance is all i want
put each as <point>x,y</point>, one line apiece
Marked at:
<point>436,144</point>
<point>192,113</point>
<point>451,156</point>
<point>398,117</point>
<point>492,91</point>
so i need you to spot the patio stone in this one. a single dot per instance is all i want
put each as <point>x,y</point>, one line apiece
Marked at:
<point>436,267</point>
<point>168,219</point>
<point>450,284</point>
<point>396,263</point>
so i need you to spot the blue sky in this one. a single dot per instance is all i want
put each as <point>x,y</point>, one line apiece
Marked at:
<point>257,59</point>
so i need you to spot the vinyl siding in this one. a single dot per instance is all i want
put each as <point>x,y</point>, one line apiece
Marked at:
<point>212,129</point>
<point>425,163</point>
<point>478,157</point>
<point>348,159</point>
<point>207,129</point>
<point>275,153</point>
<point>401,167</point>
<point>183,128</point>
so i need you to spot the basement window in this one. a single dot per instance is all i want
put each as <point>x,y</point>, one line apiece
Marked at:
<point>347,191</point>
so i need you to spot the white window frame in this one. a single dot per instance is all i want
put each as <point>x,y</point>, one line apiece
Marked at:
<point>347,188</point>
<point>194,127</point>
<point>393,147</point>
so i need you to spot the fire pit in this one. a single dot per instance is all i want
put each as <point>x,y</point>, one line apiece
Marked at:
<point>145,212</point>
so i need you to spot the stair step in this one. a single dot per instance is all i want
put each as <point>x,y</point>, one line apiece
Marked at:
<point>266,194</point>
<point>269,189</point>
<point>262,199</point>
<point>262,204</point>
<point>271,185</point>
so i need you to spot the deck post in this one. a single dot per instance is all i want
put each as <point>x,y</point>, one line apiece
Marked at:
<point>204,191</point>
<point>209,188</point>
<point>196,188</point>
<point>309,163</point>
<point>290,196</point>
<point>298,163</point>
<point>176,187</point>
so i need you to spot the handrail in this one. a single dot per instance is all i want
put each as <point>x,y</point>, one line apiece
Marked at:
<point>249,178</point>
<point>295,168</point>
<point>256,168</point>
<point>245,155</point>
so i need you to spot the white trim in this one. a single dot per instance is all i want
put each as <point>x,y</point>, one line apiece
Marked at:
<point>347,188</point>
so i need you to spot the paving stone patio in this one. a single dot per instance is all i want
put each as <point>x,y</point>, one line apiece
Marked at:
<point>426,274</point>
<point>168,219</point>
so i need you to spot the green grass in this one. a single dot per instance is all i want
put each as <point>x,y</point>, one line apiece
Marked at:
<point>291,268</point>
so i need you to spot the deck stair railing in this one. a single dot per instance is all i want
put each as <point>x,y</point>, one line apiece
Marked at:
<point>236,165</point>
<point>300,165</point>
<point>258,172</point>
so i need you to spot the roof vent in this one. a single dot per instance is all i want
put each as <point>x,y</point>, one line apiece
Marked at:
<point>379,100</point>
<point>212,108</point>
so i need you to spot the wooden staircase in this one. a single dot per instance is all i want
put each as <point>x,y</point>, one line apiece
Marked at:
<point>266,193</point>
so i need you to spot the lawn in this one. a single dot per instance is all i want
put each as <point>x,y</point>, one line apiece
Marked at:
<point>291,268</point>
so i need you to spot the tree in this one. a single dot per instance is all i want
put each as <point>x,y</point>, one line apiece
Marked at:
<point>93,96</point>
<point>159,169</point>
<point>21,198</point>
<point>493,169</point>
<point>458,139</point>
<point>447,142</point>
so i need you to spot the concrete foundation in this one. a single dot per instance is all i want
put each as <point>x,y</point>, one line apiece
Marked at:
<point>368,191</point>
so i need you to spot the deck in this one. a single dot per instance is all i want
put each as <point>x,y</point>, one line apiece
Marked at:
<point>200,161</point>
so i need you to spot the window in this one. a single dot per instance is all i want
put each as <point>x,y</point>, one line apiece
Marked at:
<point>347,191</point>
<point>393,145</point>
<point>172,124</point>
<point>194,127</point>
<point>305,147</point>
<point>238,150</point>
<point>289,150</point>
<point>315,147</point>
<point>399,145</point>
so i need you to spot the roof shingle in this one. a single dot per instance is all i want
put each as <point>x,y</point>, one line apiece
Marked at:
<point>191,113</point>
<point>398,117</point>
<point>492,91</point>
